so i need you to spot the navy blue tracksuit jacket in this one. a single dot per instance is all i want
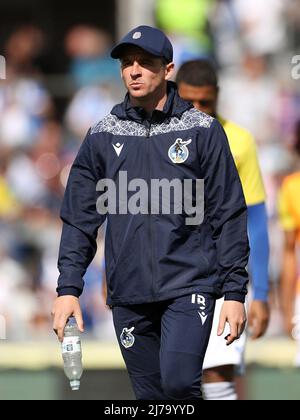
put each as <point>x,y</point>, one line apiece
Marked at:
<point>155,257</point>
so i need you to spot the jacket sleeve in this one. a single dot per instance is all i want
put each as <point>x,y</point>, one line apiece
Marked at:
<point>226,212</point>
<point>81,221</point>
<point>260,250</point>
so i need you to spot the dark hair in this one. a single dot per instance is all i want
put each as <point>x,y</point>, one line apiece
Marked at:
<point>197,73</point>
<point>165,61</point>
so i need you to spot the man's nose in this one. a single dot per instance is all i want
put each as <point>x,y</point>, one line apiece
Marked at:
<point>136,69</point>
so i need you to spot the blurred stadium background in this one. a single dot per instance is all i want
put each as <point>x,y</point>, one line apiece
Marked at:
<point>60,80</point>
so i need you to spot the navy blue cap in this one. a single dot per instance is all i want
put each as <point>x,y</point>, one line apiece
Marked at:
<point>149,39</point>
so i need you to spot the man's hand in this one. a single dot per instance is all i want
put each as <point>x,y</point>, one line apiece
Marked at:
<point>259,315</point>
<point>234,313</point>
<point>65,307</point>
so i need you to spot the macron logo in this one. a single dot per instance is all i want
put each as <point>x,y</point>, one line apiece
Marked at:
<point>118,148</point>
<point>203,317</point>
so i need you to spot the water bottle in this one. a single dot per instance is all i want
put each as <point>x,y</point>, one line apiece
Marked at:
<point>71,352</point>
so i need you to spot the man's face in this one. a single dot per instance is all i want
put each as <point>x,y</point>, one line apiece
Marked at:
<point>204,98</point>
<point>143,74</point>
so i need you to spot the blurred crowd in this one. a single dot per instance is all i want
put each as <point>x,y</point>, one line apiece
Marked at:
<point>252,43</point>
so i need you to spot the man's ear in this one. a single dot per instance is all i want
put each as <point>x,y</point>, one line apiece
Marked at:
<point>169,71</point>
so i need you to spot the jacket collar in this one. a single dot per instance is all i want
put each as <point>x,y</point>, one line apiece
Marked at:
<point>174,107</point>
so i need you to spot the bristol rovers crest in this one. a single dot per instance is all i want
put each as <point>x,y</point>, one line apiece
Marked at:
<point>127,338</point>
<point>178,152</point>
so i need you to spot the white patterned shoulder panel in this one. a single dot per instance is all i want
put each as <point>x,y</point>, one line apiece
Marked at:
<point>190,119</point>
<point>112,124</point>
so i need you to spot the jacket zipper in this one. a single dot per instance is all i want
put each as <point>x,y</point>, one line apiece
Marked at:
<point>149,207</point>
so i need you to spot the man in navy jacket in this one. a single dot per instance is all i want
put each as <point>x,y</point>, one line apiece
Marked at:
<point>161,173</point>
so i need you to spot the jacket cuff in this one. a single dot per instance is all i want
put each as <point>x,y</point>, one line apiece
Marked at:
<point>70,283</point>
<point>68,291</point>
<point>239,297</point>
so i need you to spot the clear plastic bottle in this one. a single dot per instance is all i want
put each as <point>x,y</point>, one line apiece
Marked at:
<point>72,355</point>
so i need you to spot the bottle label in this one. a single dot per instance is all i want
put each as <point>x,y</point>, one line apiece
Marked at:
<point>71,345</point>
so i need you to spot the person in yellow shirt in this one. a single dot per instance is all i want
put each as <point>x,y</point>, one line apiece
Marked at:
<point>198,83</point>
<point>9,207</point>
<point>289,216</point>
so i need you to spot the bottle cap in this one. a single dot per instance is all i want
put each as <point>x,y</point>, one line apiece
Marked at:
<point>75,385</point>
<point>72,321</point>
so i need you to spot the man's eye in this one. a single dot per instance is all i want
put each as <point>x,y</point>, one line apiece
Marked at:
<point>126,63</point>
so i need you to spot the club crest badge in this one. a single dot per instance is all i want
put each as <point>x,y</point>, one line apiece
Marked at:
<point>127,338</point>
<point>179,152</point>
